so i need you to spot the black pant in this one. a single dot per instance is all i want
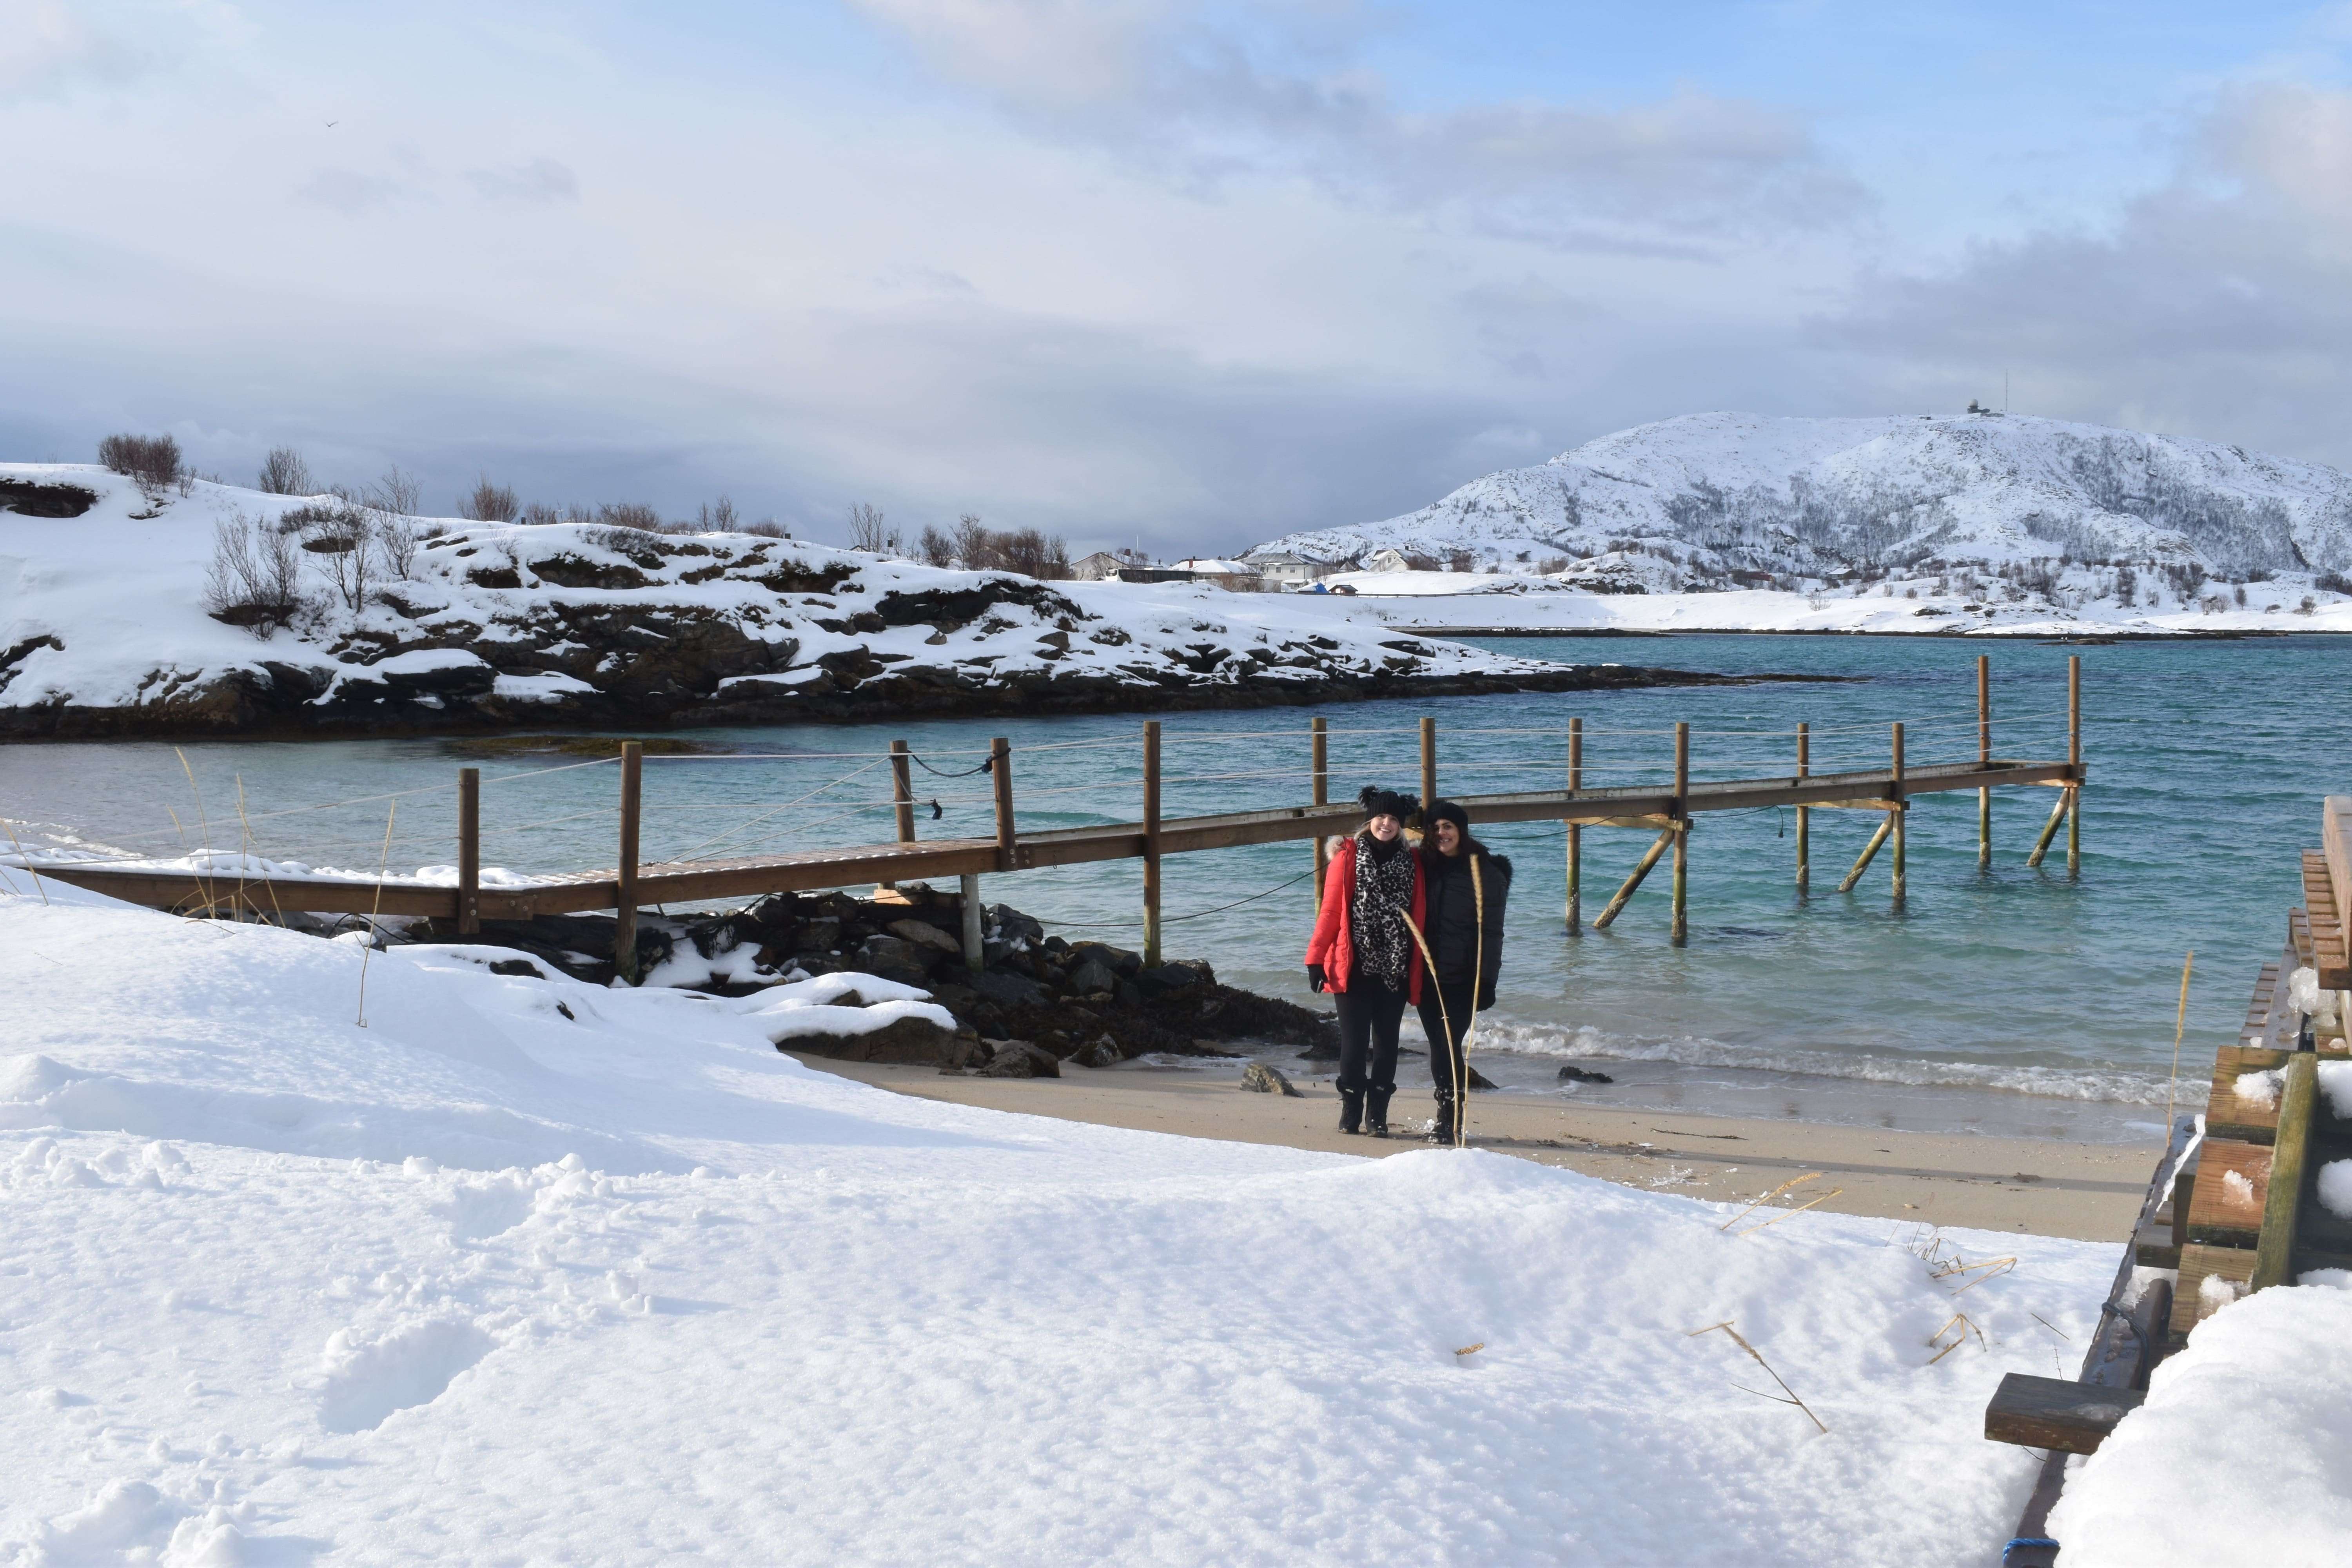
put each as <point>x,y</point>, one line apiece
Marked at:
<point>1445,1030</point>
<point>1369,1016</point>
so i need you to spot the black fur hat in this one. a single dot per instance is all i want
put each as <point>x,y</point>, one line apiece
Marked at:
<point>1446,811</point>
<point>1378,802</point>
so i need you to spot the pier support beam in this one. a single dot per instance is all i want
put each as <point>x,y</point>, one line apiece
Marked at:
<point>1575,830</point>
<point>1000,768</point>
<point>973,955</point>
<point>469,852</point>
<point>1649,858</point>
<point>1319,765</point>
<point>2074,760</point>
<point>1680,932</point>
<point>2050,828</point>
<point>1901,812</point>
<point>1152,842</point>
<point>1869,851</point>
<point>1804,814</point>
<point>625,928</point>
<point>1428,765</point>
<point>1984,756</point>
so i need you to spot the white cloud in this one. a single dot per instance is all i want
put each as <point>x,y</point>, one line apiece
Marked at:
<point>541,181</point>
<point>45,46</point>
<point>349,191</point>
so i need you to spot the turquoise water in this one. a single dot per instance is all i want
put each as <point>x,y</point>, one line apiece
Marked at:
<point>2012,1000</point>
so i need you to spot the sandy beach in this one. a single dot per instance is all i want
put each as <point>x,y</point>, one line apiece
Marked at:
<point>2090,1192</point>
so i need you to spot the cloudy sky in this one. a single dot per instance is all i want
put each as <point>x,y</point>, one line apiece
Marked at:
<point>1195,273</point>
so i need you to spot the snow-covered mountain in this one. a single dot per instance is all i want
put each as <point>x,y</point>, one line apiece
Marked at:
<point>2059,512</point>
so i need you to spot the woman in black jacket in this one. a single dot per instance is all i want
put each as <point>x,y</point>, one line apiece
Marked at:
<point>1464,936</point>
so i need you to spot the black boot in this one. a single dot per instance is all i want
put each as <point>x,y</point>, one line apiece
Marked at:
<point>1376,1113</point>
<point>1351,1112</point>
<point>1441,1126</point>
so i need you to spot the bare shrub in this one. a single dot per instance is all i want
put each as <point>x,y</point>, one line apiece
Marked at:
<point>255,578</point>
<point>975,546</point>
<point>979,548</point>
<point>150,462</point>
<point>1551,565</point>
<point>936,548</point>
<point>629,514</point>
<point>2238,594</point>
<point>1033,554</point>
<point>284,473</point>
<point>489,503</point>
<point>397,540</point>
<point>1458,560</point>
<point>717,517</point>
<point>766,528</point>
<point>869,532</point>
<point>1419,563</point>
<point>344,544</point>
<point>399,492</point>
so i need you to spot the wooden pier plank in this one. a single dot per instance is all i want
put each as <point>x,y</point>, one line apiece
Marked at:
<point>2320,904</point>
<point>2197,1265</point>
<point>2051,1412</point>
<point>2229,1116</point>
<point>2223,1212</point>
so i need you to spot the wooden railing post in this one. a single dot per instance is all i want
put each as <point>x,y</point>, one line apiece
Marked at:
<point>1681,933</point>
<point>1804,812</point>
<point>1152,842</point>
<point>2074,760</point>
<point>902,798</point>
<point>1320,765</point>
<point>625,926</point>
<point>1902,810</point>
<point>1575,829</point>
<point>469,852</point>
<point>999,767</point>
<point>1984,759</point>
<point>1428,764</point>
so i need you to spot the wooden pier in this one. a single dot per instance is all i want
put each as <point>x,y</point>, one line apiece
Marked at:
<point>1670,810</point>
<point>2228,1215</point>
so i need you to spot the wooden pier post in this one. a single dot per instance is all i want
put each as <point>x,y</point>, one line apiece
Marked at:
<point>1681,929</point>
<point>1804,812</point>
<point>469,852</point>
<point>2074,760</point>
<point>624,927</point>
<point>1575,829</point>
<point>1000,768</point>
<point>973,956</point>
<point>902,797</point>
<point>2050,828</point>
<point>2282,1199</point>
<point>1868,851</point>
<point>1649,858</point>
<point>1152,842</point>
<point>1984,757</point>
<point>1902,810</point>
<point>1319,765</point>
<point>1428,765</point>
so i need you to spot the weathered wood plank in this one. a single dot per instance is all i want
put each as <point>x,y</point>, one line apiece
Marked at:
<point>2228,1115</point>
<point>2283,1195</point>
<point>2232,1183</point>
<point>2049,1413</point>
<point>2198,1264</point>
<point>2320,904</point>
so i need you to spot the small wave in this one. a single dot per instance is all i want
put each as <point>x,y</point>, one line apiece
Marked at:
<point>2108,1084</point>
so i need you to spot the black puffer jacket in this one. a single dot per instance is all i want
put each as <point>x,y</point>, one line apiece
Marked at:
<point>1452,929</point>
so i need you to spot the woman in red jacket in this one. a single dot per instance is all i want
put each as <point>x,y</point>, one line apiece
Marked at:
<point>1363,954</point>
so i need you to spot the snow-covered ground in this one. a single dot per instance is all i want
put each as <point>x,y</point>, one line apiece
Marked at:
<point>529,1271</point>
<point>2027,517</point>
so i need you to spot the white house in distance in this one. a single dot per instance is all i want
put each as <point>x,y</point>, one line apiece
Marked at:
<point>1388,561</point>
<point>1238,576</point>
<point>1102,566</point>
<point>1282,566</point>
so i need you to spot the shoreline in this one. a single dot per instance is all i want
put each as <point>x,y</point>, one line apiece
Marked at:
<point>2088,1191</point>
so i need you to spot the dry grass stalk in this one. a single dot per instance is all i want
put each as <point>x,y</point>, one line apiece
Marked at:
<point>1751,1349</point>
<point>1801,1208</point>
<point>1768,1197</point>
<point>1968,1327</point>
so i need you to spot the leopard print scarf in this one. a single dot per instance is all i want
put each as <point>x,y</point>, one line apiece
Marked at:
<point>1383,898</point>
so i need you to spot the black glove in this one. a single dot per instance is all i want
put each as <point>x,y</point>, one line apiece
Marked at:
<point>1315,978</point>
<point>1486,997</point>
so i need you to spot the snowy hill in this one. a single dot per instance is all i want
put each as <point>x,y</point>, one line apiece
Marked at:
<point>205,608</point>
<point>2065,514</point>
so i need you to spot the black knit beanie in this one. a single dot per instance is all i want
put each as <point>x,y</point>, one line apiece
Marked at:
<point>1378,802</point>
<point>1446,811</point>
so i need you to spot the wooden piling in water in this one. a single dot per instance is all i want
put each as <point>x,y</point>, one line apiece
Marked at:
<point>902,791</point>
<point>1804,814</point>
<point>1640,870</point>
<point>1868,851</point>
<point>624,927</point>
<point>1902,810</point>
<point>1152,842</point>
<point>1984,755</point>
<point>2074,760</point>
<point>1575,829</point>
<point>1000,768</point>
<point>2050,828</point>
<point>973,955</point>
<point>1680,932</point>
<point>469,852</point>
<point>1319,765</point>
<point>1428,764</point>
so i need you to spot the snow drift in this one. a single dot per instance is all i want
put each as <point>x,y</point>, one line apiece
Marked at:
<point>669,1294</point>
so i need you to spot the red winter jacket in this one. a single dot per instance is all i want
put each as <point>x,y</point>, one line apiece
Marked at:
<point>1334,943</point>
